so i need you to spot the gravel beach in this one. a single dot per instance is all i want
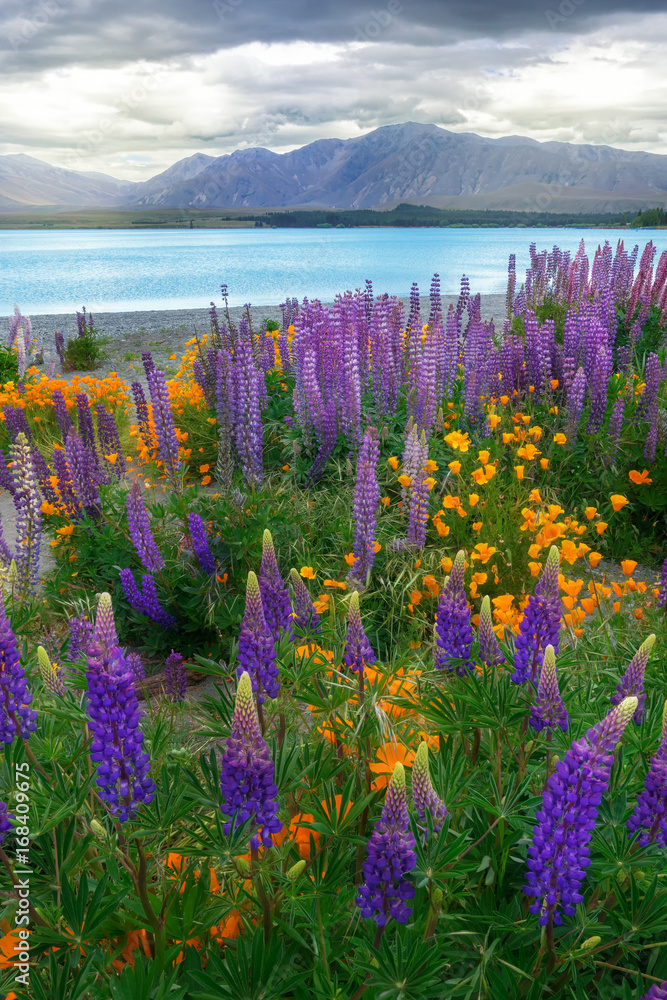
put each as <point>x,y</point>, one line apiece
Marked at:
<point>165,331</point>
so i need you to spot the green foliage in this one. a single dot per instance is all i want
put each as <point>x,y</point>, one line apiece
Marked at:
<point>84,352</point>
<point>9,370</point>
<point>650,218</point>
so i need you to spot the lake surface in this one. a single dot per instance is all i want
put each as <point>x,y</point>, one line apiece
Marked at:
<point>122,270</point>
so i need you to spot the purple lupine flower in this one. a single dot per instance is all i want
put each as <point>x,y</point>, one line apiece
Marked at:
<point>105,626</point>
<point>16,716</point>
<point>145,601</point>
<point>306,617</point>
<point>51,673</point>
<point>390,857</point>
<point>108,437</point>
<point>632,681</point>
<point>247,772</point>
<point>257,651</point>
<point>60,410</point>
<point>5,821</point>
<point>275,596</point>
<point>67,500</point>
<point>28,515</point>
<point>662,598</point>
<point>60,346</point>
<point>489,650</point>
<point>5,552</point>
<point>658,991</point>
<point>81,463</point>
<point>559,854</point>
<point>540,624</point>
<point>358,650</point>
<point>364,506</point>
<point>86,430</point>
<point>175,677</point>
<point>548,709</point>
<point>140,530</point>
<point>141,407</point>
<point>16,422</point>
<point>123,768</point>
<point>453,634</point>
<point>200,543</point>
<point>575,403</point>
<point>165,429</point>
<point>136,665</point>
<point>615,428</point>
<point>423,793</point>
<point>80,637</point>
<point>418,515</point>
<point>649,818</point>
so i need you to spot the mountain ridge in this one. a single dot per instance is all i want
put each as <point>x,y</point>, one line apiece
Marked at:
<point>409,162</point>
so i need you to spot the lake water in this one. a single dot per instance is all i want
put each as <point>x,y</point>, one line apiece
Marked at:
<point>121,270</point>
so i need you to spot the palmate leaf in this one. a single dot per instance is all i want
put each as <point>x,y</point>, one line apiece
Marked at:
<point>402,970</point>
<point>60,982</point>
<point>251,971</point>
<point>144,980</point>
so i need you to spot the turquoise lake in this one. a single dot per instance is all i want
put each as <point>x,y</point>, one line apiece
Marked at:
<point>122,270</point>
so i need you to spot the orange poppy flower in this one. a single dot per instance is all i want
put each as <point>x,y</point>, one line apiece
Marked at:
<point>389,754</point>
<point>639,478</point>
<point>307,573</point>
<point>628,566</point>
<point>302,835</point>
<point>618,501</point>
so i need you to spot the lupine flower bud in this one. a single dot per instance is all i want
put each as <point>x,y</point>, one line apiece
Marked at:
<point>650,814</point>
<point>305,617</point>
<point>358,651</point>
<point>257,651</point>
<point>296,870</point>
<point>423,793</point>
<point>51,673</point>
<point>140,530</point>
<point>275,597</point>
<point>632,681</point>
<point>559,855</point>
<point>548,710</point>
<point>200,543</point>
<point>5,820</point>
<point>453,634</point>
<point>105,626</point>
<point>175,677</point>
<point>16,716</point>
<point>247,771</point>
<point>390,857</point>
<point>540,624</point>
<point>98,830</point>
<point>489,650</point>
<point>123,769</point>
<point>591,942</point>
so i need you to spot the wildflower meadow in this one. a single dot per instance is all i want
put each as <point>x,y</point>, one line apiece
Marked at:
<point>346,674</point>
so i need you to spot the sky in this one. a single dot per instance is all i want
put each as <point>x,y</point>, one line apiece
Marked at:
<point>127,87</point>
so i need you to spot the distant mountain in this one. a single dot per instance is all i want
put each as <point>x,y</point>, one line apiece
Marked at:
<point>396,163</point>
<point>26,181</point>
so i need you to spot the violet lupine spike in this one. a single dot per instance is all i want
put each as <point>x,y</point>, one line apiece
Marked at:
<point>86,430</point>
<point>275,596</point>
<point>364,506</point>
<point>105,627</point>
<point>390,856</point>
<point>5,552</point>
<point>423,793</point>
<point>540,625</point>
<point>662,597</point>
<point>649,818</point>
<point>165,429</point>
<point>632,681</point>
<point>306,617</point>
<point>358,650</point>
<point>559,854</point>
<point>453,633</point>
<point>60,410</point>
<point>80,637</point>
<point>81,465</point>
<point>138,524</point>
<point>28,514</point>
<point>108,437</point>
<point>175,677</point>
<point>16,716</point>
<point>136,665</point>
<point>200,543</point>
<point>5,820</point>
<point>145,601</point>
<point>141,407</point>
<point>257,651</point>
<point>548,709</point>
<point>247,772</point>
<point>51,673</point>
<point>489,650</point>
<point>68,501</point>
<point>123,768</point>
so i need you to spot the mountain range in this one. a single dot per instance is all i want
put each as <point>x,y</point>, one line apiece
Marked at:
<point>414,163</point>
